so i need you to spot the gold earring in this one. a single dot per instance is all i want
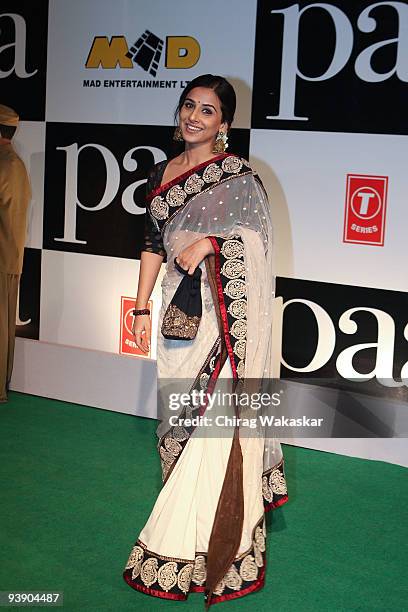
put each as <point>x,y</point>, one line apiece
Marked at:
<point>178,136</point>
<point>221,143</point>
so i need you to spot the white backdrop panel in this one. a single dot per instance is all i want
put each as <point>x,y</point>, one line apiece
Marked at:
<point>91,378</point>
<point>208,22</point>
<point>305,176</point>
<point>81,299</point>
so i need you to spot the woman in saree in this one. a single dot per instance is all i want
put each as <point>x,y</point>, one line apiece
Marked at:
<point>208,209</point>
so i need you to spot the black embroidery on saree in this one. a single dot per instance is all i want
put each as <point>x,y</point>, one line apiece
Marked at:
<point>232,294</point>
<point>172,578</point>
<point>274,489</point>
<point>171,445</point>
<point>164,203</point>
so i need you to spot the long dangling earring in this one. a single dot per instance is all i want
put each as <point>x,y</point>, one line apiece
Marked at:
<point>178,136</point>
<point>221,143</point>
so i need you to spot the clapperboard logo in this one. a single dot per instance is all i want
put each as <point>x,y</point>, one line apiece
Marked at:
<point>127,345</point>
<point>146,52</point>
<point>366,201</point>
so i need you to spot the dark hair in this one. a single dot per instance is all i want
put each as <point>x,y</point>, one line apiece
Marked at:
<point>222,88</point>
<point>7,131</point>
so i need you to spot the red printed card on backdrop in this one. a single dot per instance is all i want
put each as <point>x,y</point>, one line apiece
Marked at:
<point>127,340</point>
<point>366,201</point>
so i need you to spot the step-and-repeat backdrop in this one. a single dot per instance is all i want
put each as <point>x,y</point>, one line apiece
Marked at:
<point>322,94</point>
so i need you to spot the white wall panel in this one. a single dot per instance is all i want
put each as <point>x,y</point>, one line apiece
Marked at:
<point>209,22</point>
<point>81,299</point>
<point>91,378</point>
<point>305,176</point>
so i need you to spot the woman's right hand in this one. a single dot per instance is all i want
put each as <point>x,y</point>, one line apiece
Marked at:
<point>141,329</point>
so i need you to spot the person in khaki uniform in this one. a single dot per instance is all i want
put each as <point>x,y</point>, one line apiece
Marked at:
<point>15,195</point>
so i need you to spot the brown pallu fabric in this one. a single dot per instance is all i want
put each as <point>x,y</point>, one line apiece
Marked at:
<point>226,531</point>
<point>228,522</point>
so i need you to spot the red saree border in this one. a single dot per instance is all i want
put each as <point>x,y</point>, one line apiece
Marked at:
<point>258,584</point>
<point>179,591</point>
<point>181,177</point>
<point>223,309</point>
<point>283,497</point>
<point>279,502</point>
<point>153,592</point>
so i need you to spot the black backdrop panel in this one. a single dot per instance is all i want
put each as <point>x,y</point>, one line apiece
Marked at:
<point>301,333</point>
<point>30,288</point>
<point>108,180</point>
<point>24,88</point>
<point>359,89</point>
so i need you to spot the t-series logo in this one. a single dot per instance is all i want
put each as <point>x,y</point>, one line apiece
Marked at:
<point>179,52</point>
<point>364,218</point>
<point>127,345</point>
<point>340,66</point>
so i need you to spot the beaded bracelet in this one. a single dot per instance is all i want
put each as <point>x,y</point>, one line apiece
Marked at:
<point>141,311</point>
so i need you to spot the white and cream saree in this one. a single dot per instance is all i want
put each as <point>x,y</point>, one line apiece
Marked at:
<point>206,532</point>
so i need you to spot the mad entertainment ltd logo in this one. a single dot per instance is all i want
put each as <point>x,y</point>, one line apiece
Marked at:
<point>180,52</point>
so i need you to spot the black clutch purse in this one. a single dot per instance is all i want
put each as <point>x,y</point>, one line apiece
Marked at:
<point>183,314</point>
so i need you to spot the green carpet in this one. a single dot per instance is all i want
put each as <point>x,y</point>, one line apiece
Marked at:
<point>78,484</point>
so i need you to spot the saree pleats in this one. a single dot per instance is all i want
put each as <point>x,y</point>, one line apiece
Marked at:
<point>172,555</point>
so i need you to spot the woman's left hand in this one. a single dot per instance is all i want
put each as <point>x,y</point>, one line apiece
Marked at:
<point>191,256</point>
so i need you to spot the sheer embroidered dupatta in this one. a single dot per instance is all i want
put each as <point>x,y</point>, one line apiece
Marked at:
<point>224,200</point>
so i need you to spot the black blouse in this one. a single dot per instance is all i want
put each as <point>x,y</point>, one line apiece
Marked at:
<point>153,241</point>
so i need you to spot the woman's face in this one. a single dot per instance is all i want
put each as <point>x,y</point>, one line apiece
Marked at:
<point>201,117</point>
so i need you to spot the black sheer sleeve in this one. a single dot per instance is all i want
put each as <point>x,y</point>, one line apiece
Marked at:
<point>153,241</point>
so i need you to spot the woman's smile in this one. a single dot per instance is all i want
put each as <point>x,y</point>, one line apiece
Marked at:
<point>192,128</point>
